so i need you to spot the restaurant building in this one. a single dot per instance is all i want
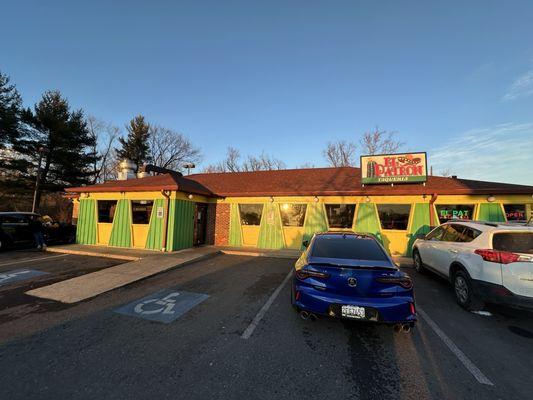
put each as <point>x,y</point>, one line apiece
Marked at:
<point>281,208</point>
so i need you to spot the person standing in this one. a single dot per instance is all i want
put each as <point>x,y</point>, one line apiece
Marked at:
<point>36,227</point>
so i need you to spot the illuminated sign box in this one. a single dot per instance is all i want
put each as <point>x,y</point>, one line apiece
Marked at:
<point>394,168</point>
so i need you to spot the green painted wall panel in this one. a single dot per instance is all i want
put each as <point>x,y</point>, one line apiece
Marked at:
<point>270,232</point>
<point>491,212</point>
<point>154,240</point>
<point>367,220</point>
<point>315,221</point>
<point>181,224</point>
<point>235,232</point>
<point>420,223</point>
<point>121,230</point>
<point>86,225</point>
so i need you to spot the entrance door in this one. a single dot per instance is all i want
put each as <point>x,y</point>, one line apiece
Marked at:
<point>200,223</point>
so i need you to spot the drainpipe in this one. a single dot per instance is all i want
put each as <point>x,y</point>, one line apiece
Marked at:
<point>431,209</point>
<point>166,195</point>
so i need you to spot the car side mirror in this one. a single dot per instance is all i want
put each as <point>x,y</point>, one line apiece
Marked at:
<point>305,243</point>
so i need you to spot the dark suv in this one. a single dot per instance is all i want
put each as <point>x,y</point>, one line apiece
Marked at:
<point>15,230</point>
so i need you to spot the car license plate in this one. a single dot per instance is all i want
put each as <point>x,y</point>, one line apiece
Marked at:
<point>353,312</point>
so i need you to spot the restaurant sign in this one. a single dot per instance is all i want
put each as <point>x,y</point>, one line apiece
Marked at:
<point>393,168</point>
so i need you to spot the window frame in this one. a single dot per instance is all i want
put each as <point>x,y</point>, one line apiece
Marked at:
<point>262,205</point>
<point>150,213</point>
<point>98,202</point>
<point>292,204</point>
<point>515,221</point>
<point>471,217</point>
<point>340,204</point>
<point>408,224</point>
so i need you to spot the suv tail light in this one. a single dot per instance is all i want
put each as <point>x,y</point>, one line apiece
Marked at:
<point>496,256</point>
<point>302,274</point>
<point>403,281</point>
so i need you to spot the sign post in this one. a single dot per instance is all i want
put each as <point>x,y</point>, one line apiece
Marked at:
<point>384,169</point>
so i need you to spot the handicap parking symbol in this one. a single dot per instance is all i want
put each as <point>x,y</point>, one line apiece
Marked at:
<point>19,275</point>
<point>163,306</point>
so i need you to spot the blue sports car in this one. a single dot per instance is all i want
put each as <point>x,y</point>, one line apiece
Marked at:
<point>350,275</point>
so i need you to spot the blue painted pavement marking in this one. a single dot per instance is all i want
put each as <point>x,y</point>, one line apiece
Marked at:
<point>163,306</point>
<point>19,275</point>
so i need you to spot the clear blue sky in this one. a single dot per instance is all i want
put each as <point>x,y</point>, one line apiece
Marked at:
<point>454,78</point>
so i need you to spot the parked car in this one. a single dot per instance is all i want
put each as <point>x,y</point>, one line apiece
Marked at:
<point>350,275</point>
<point>15,230</point>
<point>485,262</point>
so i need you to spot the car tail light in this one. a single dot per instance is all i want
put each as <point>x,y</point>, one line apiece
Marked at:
<point>302,274</point>
<point>412,308</point>
<point>403,281</point>
<point>496,256</point>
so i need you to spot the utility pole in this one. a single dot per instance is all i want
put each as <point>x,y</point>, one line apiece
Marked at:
<point>38,180</point>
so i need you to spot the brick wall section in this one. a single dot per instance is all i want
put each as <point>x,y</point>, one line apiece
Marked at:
<point>218,224</point>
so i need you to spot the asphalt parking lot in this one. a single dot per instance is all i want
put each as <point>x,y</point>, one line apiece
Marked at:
<point>219,348</point>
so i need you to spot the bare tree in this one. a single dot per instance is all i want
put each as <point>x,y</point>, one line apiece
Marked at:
<point>171,149</point>
<point>232,163</point>
<point>263,162</point>
<point>445,172</point>
<point>104,135</point>
<point>340,154</point>
<point>379,142</point>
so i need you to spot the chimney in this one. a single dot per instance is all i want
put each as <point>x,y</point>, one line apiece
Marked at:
<point>126,170</point>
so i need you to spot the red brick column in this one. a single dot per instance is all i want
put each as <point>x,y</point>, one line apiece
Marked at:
<point>221,224</point>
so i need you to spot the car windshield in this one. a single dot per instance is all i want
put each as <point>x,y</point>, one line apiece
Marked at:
<point>348,247</point>
<point>517,242</point>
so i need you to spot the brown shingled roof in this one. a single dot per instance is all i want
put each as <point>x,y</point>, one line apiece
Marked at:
<point>157,182</point>
<point>295,182</point>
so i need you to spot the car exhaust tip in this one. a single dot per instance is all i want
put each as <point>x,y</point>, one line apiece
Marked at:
<point>406,328</point>
<point>304,315</point>
<point>397,328</point>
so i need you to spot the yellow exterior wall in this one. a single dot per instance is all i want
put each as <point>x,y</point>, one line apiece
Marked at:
<point>395,241</point>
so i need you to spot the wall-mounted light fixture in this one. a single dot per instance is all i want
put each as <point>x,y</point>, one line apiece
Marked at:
<point>367,199</point>
<point>316,199</point>
<point>190,196</point>
<point>271,199</point>
<point>491,198</point>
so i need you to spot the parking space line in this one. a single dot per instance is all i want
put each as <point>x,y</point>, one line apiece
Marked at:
<point>468,364</point>
<point>250,329</point>
<point>32,259</point>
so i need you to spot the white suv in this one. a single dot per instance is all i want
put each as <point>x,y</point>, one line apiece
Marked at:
<point>484,261</point>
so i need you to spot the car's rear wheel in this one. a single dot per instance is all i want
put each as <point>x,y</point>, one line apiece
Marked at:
<point>464,294</point>
<point>417,261</point>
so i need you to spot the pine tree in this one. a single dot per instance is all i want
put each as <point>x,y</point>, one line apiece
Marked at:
<point>136,147</point>
<point>10,109</point>
<point>61,137</point>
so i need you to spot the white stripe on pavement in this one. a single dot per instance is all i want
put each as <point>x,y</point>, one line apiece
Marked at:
<point>32,259</point>
<point>469,365</point>
<point>250,329</point>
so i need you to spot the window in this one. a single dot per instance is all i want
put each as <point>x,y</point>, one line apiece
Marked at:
<point>436,234</point>
<point>394,216</point>
<point>141,211</point>
<point>515,212</point>
<point>250,214</point>
<point>340,215</point>
<point>517,242</point>
<point>106,210</point>
<point>470,234</point>
<point>293,214</point>
<point>447,212</point>
<point>352,247</point>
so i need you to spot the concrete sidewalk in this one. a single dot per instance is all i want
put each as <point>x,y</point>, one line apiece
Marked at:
<point>90,285</point>
<point>103,251</point>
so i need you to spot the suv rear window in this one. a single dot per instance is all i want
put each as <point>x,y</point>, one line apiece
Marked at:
<point>348,247</point>
<point>516,242</point>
